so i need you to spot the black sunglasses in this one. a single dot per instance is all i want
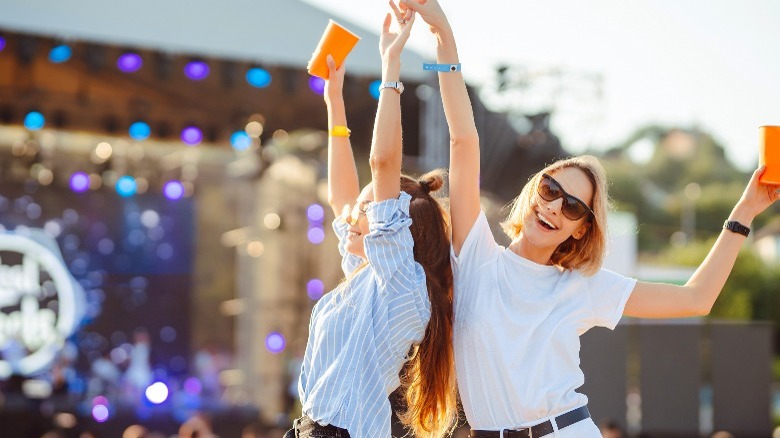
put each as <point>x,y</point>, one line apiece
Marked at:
<point>572,207</point>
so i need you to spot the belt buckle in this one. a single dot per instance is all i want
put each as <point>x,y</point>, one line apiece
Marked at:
<point>530,431</point>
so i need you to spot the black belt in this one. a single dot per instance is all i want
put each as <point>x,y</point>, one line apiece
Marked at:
<point>539,430</point>
<point>305,426</point>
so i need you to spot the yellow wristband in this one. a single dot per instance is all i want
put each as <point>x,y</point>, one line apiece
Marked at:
<point>340,131</point>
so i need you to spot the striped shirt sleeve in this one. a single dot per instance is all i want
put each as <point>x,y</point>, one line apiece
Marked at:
<point>349,262</point>
<point>389,245</point>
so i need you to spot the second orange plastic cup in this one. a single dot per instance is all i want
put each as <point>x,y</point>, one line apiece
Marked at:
<point>337,41</point>
<point>769,153</point>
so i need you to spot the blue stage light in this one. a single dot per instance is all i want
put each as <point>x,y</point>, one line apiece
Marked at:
<point>34,121</point>
<point>140,131</point>
<point>60,53</point>
<point>258,77</point>
<point>126,186</point>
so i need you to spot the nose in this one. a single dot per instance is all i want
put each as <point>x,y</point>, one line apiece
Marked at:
<point>555,205</point>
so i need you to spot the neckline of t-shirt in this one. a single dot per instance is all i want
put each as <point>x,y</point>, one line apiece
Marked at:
<point>517,258</point>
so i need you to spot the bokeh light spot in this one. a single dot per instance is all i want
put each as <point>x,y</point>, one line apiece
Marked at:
<point>196,70</point>
<point>140,131</point>
<point>79,182</point>
<point>316,235</point>
<point>129,62</point>
<point>34,120</point>
<point>258,77</point>
<point>315,288</point>
<point>191,135</point>
<point>157,392</point>
<point>317,84</point>
<point>60,53</point>
<point>275,342</point>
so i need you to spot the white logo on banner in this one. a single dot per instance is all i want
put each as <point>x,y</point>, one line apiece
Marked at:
<point>31,336</point>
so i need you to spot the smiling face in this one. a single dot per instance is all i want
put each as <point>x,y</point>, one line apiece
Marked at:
<point>355,216</point>
<point>545,226</point>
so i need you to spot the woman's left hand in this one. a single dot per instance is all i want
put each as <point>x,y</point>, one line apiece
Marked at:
<point>391,44</point>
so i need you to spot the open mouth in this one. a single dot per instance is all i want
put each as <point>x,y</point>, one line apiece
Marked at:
<point>545,223</point>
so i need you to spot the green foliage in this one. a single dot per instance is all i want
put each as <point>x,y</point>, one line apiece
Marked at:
<point>655,191</point>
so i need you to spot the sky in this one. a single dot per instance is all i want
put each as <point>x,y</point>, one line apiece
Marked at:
<point>713,65</point>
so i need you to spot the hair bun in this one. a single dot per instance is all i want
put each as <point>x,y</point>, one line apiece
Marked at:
<point>432,181</point>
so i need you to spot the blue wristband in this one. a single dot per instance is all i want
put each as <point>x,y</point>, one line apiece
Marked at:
<point>442,67</point>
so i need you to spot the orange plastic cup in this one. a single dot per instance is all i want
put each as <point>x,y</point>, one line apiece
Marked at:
<point>769,153</point>
<point>337,41</point>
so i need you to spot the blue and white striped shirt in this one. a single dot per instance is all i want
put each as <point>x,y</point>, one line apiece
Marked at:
<point>361,331</point>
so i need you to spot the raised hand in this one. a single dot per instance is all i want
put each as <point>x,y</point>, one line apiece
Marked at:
<point>391,44</point>
<point>335,82</point>
<point>430,11</point>
<point>757,195</point>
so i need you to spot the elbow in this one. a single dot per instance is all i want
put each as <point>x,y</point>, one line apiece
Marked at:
<point>380,161</point>
<point>465,139</point>
<point>700,306</point>
<point>701,310</point>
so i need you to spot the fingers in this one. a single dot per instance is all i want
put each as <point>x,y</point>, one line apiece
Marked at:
<point>406,29</point>
<point>398,14</point>
<point>331,63</point>
<point>413,5</point>
<point>386,25</point>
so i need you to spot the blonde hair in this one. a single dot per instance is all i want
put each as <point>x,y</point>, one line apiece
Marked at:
<point>585,254</point>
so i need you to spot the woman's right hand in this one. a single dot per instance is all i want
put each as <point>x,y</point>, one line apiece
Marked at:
<point>430,11</point>
<point>335,82</point>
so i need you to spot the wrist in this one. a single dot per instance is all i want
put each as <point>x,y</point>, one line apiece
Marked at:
<point>444,35</point>
<point>742,214</point>
<point>334,101</point>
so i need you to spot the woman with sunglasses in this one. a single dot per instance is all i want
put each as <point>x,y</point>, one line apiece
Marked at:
<point>394,242</point>
<point>519,311</point>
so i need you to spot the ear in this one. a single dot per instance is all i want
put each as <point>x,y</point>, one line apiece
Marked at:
<point>579,233</point>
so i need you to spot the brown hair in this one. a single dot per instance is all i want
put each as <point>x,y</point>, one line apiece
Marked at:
<point>429,377</point>
<point>586,254</point>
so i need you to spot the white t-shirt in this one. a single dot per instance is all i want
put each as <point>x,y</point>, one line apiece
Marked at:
<point>517,328</point>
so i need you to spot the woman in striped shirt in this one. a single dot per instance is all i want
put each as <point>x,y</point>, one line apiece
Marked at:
<point>394,243</point>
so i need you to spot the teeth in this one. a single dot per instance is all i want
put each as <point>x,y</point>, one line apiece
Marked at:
<point>541,218</point>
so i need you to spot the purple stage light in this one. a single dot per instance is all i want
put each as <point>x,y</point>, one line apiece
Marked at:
<point>100,413</point>
<point>129,62</point>
<point>275,342</point>
<point>196,70</point>
<point>2,43</point>
<point>157,392</point>
<point>173,190</point>
<point>315,213</point>
<point>316,235</point>
<point>100,400</point>
<point>79,182</point>
<point>315,288</point>
<point>317,84</point>
<point>192,386</point>
<point>191,135</point>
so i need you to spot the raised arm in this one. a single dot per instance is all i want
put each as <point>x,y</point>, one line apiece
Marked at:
<point>386,151</point>
<point>343,185</point>
<point>696,297</point>
<point>464,141</point>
